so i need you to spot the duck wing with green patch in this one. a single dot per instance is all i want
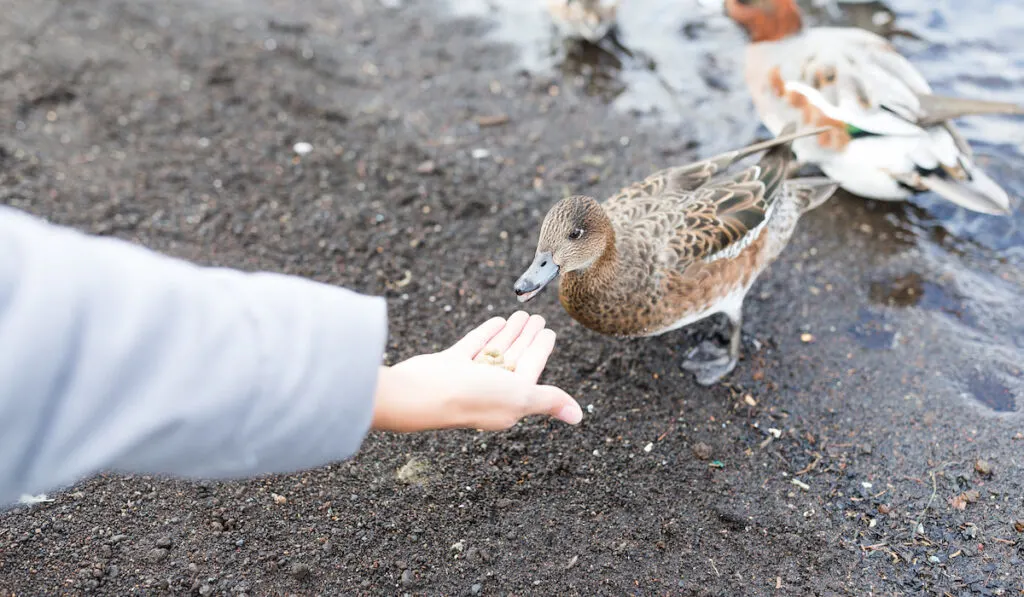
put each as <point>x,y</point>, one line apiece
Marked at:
<point>890,122</point>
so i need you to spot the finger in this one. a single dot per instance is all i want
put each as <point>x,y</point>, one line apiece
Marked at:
<point>531,363</point>
<point>473,342</point>
<point>554,402</point>
<point>533,326</point>
<point>509,333</point>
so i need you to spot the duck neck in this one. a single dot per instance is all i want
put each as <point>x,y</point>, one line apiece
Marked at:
<point>779,22</point>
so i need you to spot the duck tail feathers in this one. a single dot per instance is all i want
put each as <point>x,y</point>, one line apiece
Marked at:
<point>938,109</point>
<point>980,193</point>
<point>809,193</point>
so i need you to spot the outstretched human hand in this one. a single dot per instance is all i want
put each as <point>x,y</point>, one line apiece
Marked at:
<point>454,388</point>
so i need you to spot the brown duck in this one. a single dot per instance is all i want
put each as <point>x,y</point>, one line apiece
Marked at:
<point>679,246</point>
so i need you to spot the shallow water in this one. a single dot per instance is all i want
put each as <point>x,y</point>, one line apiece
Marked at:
<point>676,64</point>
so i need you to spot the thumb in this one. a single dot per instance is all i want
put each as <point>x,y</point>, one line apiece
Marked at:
<point>554,402</point>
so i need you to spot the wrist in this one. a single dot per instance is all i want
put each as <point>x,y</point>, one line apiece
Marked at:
<point>383,401</point>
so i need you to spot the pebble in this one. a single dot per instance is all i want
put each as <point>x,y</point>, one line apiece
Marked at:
<point>475,589</point>
<point>702,450</point>
<point>933,559</point>
<point>480,153</point>
<point>243,586</point>
<point>302,148</point>
<point>157,554</point>
<point>300,571</point>
<point>983,467</point>
<point>205,590</point>
<point>408,578</point>
<point>164,542</point>
<point>1018,525</point>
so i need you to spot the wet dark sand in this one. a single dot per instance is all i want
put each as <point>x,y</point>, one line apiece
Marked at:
<point>825,467</point>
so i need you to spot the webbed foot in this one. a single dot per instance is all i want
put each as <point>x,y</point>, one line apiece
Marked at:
<point>709,362</point>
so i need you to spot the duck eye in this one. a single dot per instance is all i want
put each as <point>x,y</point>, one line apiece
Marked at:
<point>576,234</point>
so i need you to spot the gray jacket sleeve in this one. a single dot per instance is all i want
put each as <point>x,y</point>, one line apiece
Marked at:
<point>113,357</point>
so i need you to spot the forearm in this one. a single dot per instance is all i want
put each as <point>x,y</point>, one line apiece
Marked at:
<point>115,358</point>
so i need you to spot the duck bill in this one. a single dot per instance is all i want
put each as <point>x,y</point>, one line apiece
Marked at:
<point>540,273</point>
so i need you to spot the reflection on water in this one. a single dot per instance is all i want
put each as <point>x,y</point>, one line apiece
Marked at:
<point>873,330</point>
<point>990,391</point>
<point>678,63</point>
<point>912,289</point>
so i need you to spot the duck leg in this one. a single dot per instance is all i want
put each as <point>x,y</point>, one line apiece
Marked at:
<point>711,362</point>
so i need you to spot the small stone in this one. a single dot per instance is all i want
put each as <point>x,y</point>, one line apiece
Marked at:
<point>408,578</point>
<point>157,554</point>
<point>806,338</point>
<point>983,467</point>
<point>300,571</point>
<point>495,120</point>
<point>279,499</point>
<point>242,586</point>
<point>475,589</point>
<point>205,590</point>
<point>327,548</point>
<point>1018,525</point>
<point>933,559</point>
<point>480,153</point>
<point>113,571</point>
<point>702,451</point>
<point>427,167</point>
<point>302,148</point>
<point>750,400</point>
<point>193,567</point>
<point>164,542</point>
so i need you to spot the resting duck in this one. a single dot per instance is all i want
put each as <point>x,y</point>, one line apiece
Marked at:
<point>891,137</point>
<point>587,19</point>
<point>681,245</point>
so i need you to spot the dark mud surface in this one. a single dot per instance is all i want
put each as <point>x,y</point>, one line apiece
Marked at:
<point>842,458</point>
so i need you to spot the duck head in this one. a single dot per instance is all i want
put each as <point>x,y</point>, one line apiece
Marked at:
<point>575,235</point>
<point>765,20</point>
